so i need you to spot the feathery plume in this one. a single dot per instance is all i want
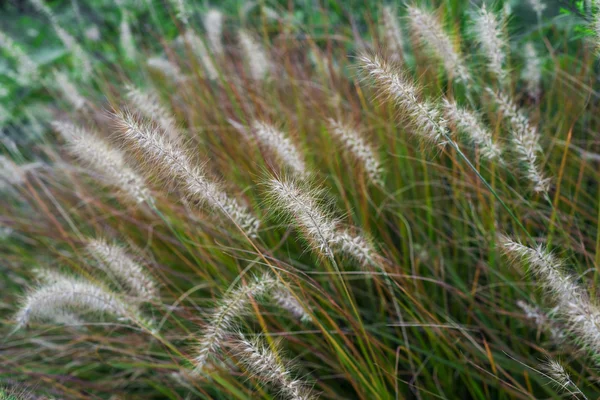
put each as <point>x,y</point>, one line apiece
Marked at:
<point>166,68</point>
<point>392,33</point>
<point>175,162</point>
<point>104,160</point>
<point>71,295</point>
<point>125,37</point>
<point>542,321</point>
<point>277,143</point>
<point>532,72</point>
<point>69,91</point>
<point>114,260</point>
<point>232,306</point>
<point>581,314</point>
<point>359,148</point>
<point>318,226</point>
<point>148,103</point>
<point>431,32</point>
<point>213,23</point>
<point>199,49</point>
<point>488,33</point>
<point>267,366</point>
<point>469,123</point>
<point>27,69</point>
<point>525,139</point>
<point>255,56</point>
<point>13,174</point>
<point>425,116</point>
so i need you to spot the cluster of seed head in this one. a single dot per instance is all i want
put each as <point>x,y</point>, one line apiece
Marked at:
<point>168,156</point>
<point>359,148</point>
<point>431,32</point>
<point>277,143</point>
<point>234,305</point>
<point>105,160</point>
<point>425,116</point>
<point>581,314</point>
<point>266,366</point>
<point>470,124</point>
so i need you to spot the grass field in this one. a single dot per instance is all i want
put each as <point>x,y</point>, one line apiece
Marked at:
<point>299,200</point>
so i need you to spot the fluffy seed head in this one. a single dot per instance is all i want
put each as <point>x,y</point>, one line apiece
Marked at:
<point>277,143</point>
<point>27,69</point>
<point>197,46</point>
<point>426,117</point>
<point>114,260</point>
<point>176,165</point>
<point>469,123</point>
<point>213,23</point>
<point>231,307</point>
<point>266,366</point>
<point>255,55</point>
<point>532,73</point>
<point>525,139</point>
<point>66,294</point>
<point>392,33</point>
<point>429,30</point>
<point>538,6</point>
<point>147,102</point>
<point>359,148</point>
<point>105,160</point>
<point>69,91</point>
<point>488,34</point>
<point>126,38</point>
<point>580,313</point>
<point>166,68</point>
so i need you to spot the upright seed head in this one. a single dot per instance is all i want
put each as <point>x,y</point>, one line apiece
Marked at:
<point>104,160</point>
<point>429,30</point>
<point>532,73</point>
<point>27,69</point>
<point>489,35</point>
<point>114,260</point>
<point>213,23</point>
<point>255,55</point>
<point>197,46</point>
<point>126,38</point>
<point>392,33</point>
